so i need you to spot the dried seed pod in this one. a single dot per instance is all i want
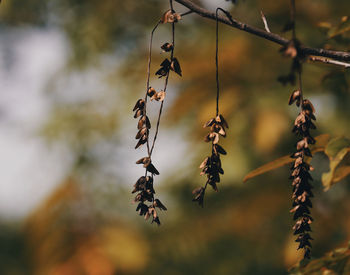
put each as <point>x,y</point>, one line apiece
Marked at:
<point>142,160</point>
<point>141,141</point>
<point>199,195</point>
<point>164,68</point>
<point>161,96</point>
<point>142,132</point>
<point>158,203</point>
<point>295,97</point>
<point>219,149</point>
<point>170,17</point>
<point>151,91</point>
<point>140,104</point>
<point>167,47</point>
<point>175,66</point>
<point>204,163</point>
<point>211,166</point>
<point>300,173</point>
<point>221,120</point>
<point>209,123</point>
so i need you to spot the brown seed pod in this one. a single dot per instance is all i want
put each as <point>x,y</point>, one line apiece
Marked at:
<point>175,66</point>
<point>167,47</point>
<point>151,91</point>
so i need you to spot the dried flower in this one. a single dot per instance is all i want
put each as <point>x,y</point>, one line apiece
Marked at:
<point>301,172</point>
<point>170,17</point>
<point>211,165</point>
<point>147,203</point>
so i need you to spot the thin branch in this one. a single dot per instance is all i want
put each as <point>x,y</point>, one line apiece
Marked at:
<point>265,22</point>
<point>336,55</point>
<point>329,61</point>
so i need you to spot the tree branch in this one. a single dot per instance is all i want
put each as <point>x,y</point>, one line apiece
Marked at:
<point>336,55</point>
<point>329,61</point>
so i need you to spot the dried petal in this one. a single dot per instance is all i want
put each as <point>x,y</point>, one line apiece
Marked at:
<point>141,132</point>
<point>222,132</point>
<point>167,47</point>
<point>151,91</point>
<point>170,17</point>
<point>213,184</point>
<point>222,121</point>
<point>156,220</point>
<point>167,17</point>
<point>158,203</point>
<point>139,105</point>
<point>219,149</point>
<point>216,138</point>
<point>175,66</point>
<point>165,63</point>
<point>161,96</point>
<point>204,163</point>
<point>141,122</point>
<point>199,195</point>
<point>141,141</point>
<point>150,168</point>
<point>138,113</point>
<point>148,123</point>
<point>209,123</point>
<point>295,96</point>
<point>142,160</point>
<point>307,105</point>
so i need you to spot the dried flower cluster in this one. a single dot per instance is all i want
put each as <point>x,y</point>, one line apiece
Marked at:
<point>147,203</point>
<point>301,172</point>
<point>211,166</point>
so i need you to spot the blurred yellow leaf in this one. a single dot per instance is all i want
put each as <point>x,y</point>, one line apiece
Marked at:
<point>336,150</point>
<point>321,142</point>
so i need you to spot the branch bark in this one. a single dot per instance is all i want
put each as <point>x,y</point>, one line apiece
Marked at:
<point>336,55</point>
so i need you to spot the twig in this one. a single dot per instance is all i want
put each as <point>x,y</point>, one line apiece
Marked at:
<point>265,22</point>
<point>337,55</point>
<point>329,61</point>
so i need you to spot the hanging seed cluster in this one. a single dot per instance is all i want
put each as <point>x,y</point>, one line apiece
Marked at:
<point>300,172</point>
<point>147,204</point>
<point>211,166</point>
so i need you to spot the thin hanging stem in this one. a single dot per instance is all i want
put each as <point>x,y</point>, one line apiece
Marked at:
<point>300,87</point>
<point>292,16</point>
<point>217,62</point>
<point>228,15</point>
<point>149,74</point>
<point>165,83</point>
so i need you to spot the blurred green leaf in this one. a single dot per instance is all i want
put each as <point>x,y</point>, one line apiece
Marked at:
<point>336,150</point>
<point>336,262</point>
<point>335,145</point>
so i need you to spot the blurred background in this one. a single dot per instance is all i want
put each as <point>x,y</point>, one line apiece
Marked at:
<point>70,74</point>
